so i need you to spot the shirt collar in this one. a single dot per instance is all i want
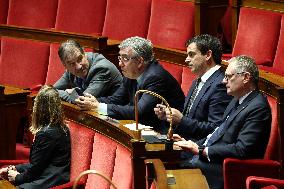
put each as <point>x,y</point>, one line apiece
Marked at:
<point>210,72</point>
<point>241,100</point>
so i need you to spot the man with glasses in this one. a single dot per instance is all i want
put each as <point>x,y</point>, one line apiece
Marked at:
<point>88,73</point>
<point>207,98</point>
<point>245,128</point>
<point>141,71</point>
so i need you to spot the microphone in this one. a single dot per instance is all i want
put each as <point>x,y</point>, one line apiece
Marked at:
<point>170,131</point>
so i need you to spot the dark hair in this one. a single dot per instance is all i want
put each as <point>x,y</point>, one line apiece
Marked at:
<point>68,48</point>
<point>206,42</point>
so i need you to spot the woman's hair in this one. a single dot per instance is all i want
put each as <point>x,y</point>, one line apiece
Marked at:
<point>47,110</point>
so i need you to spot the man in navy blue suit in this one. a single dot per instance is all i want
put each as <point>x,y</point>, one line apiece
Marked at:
<point>245,127</point>
<point>207,98</point>
<point>141,71</point>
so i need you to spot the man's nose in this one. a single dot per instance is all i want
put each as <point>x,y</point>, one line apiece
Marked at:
<point>120,63</point>
<point>187,60</point>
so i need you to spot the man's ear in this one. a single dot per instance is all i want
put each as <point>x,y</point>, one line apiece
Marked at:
<point>208,55</point>
<point>247,77</point>
<point>140,62</point>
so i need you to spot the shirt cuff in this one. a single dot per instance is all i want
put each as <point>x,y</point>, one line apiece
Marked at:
<point>102,108</point>
<point>206,153</point>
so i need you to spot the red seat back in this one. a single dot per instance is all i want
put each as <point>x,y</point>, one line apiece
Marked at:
<point>126,18</point>
<point>81,17</point>
<point>278,63</point>
<point>187,78</point>
<point>55,67</point>
<point>257,35</point>
<point>82,139</point>
<point>272,149</point>
<point>103,158</point>
<point>171,23</point>
<point>24,63</point>
<point>4,4</point>
<point>174,70</point>
<point>32,13</point>
<point>112,160</point>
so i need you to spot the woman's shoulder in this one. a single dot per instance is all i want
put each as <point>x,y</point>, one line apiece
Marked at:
<point>54,130</point>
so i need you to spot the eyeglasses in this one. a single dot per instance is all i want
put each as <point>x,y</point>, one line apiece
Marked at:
<point>229,76</point>
<point>125,58</point>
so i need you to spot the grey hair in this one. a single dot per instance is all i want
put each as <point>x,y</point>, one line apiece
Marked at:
<point>246,64</point>
<point>68,48</point>
<point>142,47</point>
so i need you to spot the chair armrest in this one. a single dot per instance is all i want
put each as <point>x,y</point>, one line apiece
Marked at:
<point>254,182</point>
<point>80,184</point>
<point>12,162</point>
<point>236,171</point>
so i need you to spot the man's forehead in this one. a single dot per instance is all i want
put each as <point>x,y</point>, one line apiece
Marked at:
<point>126,51</point>
<point>192,48</point>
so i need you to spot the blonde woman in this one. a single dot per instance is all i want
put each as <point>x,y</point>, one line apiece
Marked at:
<point>50,152</point>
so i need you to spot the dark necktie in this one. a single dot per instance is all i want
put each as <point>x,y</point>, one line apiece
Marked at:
<point>192,97</point>
<point>215,135</point>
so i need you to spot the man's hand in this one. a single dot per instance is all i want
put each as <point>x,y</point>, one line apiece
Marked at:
<point>188,146</point>
<point>160,111</point>
<point>12,175</point>
<point>87,102</point>
<point>176,138</point>
<point>176,116</point>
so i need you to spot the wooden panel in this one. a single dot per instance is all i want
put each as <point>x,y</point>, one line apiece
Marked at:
<point>12,110</point>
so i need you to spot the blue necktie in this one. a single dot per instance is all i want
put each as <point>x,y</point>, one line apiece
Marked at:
<point>215,135</point>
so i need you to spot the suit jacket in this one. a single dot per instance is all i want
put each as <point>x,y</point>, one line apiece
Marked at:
<point>103,79</point>
<point>245,136</point>
<point>207,109</point>
<point>49,160</point>
<point>155,78</point>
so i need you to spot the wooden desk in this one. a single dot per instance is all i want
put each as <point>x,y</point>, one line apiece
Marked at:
<point>12,110</point>
<point>187,179</point>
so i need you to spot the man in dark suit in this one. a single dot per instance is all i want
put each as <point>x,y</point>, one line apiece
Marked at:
<point>85,73</point>
<point>141,71</point>
<point>207,98</point>
<point>245,129</point>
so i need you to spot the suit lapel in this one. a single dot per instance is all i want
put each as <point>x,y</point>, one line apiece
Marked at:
<point>204,89</point>
<point>240,108</point>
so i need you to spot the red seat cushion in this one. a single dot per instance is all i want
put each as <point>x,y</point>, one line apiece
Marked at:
<point>126,18</point>
<point>171,23</point>
<point>257,35</point>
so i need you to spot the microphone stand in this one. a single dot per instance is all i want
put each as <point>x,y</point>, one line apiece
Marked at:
<point>169,143</point>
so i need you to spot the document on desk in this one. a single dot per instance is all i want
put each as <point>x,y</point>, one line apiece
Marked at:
<point>132,126</point>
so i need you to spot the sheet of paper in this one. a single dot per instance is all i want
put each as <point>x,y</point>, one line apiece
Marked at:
<point>132,126</point>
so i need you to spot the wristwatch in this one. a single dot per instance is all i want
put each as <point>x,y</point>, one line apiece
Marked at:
<point>200,150</point>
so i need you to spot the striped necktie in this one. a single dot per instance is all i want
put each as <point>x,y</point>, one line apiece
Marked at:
<point>192,97</point>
